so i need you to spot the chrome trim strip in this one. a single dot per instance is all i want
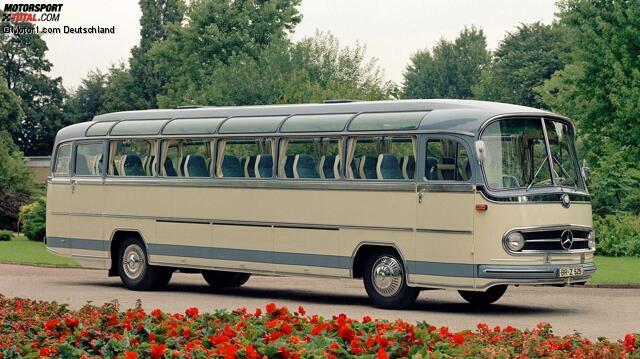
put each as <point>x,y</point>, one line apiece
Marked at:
<point>531,271</point>
<point>447,231</point>
<point>446,187</point>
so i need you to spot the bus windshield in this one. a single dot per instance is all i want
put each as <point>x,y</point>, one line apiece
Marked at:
<point>518,156</point>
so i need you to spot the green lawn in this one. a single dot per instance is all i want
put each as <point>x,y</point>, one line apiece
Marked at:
<point>20,250</point>
<point>625,270</point>
<point>611,270</point>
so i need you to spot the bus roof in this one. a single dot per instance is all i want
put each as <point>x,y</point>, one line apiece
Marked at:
<point>465,116</point>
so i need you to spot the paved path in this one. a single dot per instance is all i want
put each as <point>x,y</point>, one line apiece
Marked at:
<point>593,312</point>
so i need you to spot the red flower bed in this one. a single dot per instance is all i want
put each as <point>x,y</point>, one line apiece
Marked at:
<point>30,329</point>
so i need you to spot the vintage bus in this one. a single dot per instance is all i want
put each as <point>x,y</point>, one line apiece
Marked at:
<point>407,195</point>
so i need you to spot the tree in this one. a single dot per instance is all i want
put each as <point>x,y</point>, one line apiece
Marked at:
<point>215,31</point>
<point>524,59</point>
<point>16,182</point>
<point>86,101</point>
<point>450,69</point>
<point>24,68</point>
<point>10,109</point>
<point>157,17</point>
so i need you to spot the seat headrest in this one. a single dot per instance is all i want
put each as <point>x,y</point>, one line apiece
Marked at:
<point>169,169</point>
<point>304,166</point>
<point>132,166</point>
<point>195,166</point>
<point>368,166</point>
<point>231,167</point>
<point>250,166</point>
<point>388,167</point>
<point>264,166</point>
<point>327,166</point>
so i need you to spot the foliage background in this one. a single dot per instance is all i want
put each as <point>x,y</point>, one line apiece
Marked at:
<point>585,65</point>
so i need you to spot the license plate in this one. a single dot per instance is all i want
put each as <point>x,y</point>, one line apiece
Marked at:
<point>570,272</point>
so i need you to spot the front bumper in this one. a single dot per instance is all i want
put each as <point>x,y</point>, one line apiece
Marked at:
<point>544,273</point>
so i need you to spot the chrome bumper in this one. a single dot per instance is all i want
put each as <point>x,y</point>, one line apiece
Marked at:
<point>544,272</point>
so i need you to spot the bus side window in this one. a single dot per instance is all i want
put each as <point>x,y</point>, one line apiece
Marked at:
<point>63,158</point>
<point>245,158</point>
<point>381,158</point>
<point>127,157</point>
<point>309,158</point>
<point>447,160</point>
<point>186,158</point>
<point>88,160</point>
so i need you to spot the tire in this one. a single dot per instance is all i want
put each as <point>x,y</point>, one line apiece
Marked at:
<point>487,297</point>
<point>219,279</point>
<point>385,282</point>
<point>135,271</point>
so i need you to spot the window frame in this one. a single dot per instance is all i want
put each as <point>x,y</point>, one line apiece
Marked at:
<point>75,154</point>
<point>274,154</point>
<point>153,150</point>
<point>423,156</point>
<point>159,168</point>
<point>54,163</point>
<point>414,136</point>
<point>302,135</point>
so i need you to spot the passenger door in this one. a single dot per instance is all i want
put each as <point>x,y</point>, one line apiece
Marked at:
<point>58,201</point>
<point>87,200</point>
<point>444,226</point>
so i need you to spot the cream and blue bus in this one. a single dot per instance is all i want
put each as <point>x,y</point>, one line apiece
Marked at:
<point>406,195</point>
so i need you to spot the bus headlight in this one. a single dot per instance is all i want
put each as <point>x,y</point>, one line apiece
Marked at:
<point>591,239</point>
<point>515,241</point>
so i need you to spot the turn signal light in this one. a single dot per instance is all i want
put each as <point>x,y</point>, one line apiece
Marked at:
<point>481,207</point>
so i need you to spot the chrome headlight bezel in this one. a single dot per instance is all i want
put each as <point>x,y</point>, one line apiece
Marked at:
<point>591,240</point>
<point>515,241</point>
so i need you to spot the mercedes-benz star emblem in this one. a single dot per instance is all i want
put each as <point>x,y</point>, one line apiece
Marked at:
<point>566,239</point>
<point>565,200</point>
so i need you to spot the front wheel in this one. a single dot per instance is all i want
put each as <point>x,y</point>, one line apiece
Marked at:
<point>386,284</point>
<point>134,268</point>
<point>487,297</point>
<point>219,279</point>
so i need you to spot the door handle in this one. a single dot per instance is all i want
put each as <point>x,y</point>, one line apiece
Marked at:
<point>420,195</point>
<point>74,183</point>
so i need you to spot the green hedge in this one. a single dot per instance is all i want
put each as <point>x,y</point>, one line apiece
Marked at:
<point>618,234</point>
<point>33,219</point>
<point>5,235</point>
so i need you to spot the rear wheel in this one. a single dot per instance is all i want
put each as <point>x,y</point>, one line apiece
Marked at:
<point>134,268</point>
<point>219,279</point>
<point>487,297</point>
<point>385,282</point>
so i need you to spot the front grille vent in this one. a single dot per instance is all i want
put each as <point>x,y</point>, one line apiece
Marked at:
<point>550,240</point>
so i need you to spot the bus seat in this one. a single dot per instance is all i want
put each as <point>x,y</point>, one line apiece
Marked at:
<point>132,166</point>
<point>250,167</point>
<point>195,166</point>
<point>288,166</point>
<point>231,167</point>
<point>431,167</point>
<point>326,167</point>
<point>243,163</point>
<point>388,167</point>
<point>169,169</point>
<point>209,162</point>
<point>264,166</point>
<point>368,166</point>
<point>408,166</point>
<point>447,168</point>
<point>304,166</point>
<point>82,167</point>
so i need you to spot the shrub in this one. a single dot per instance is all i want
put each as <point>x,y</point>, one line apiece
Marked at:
<point>33,219</point>
<point>16,182</point>
<point>5,235</point>
<point>49,329</point>
<point>618,234</point>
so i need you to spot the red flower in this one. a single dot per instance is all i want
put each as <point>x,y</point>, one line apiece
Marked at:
<point>156,313</point>
<point>458,338</point>
<point>629,342</point>
<point>286,328</point>
<point>251,352</point>
<point>130,355</point>
<point>71,322</point>
<point>301,310</point>
<point>258,312</point>
<point>157,351</point>
<point>382,354</point>
<point>271,308</point>
<point>45,352</point>
<point>52,324</point>
<point>186,333</point>
<point>346,333</point>
<point>444,332</point>
<point>192,312</point>
<point>152,337</point>
<point>366,319</point>
<point>509,329</point>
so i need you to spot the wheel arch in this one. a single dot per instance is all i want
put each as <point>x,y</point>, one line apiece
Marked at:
<point>118,236</point>
<point>364,249</point>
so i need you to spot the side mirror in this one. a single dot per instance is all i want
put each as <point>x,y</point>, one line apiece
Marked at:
<point>481,150</point>
<point>585,169</point>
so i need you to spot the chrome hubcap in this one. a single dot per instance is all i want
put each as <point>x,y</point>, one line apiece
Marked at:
<point>387,276</point>
<point>133,261</point>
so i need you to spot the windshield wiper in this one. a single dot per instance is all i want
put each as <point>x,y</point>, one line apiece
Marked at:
<point>564,171</point>
<point>535,175</point>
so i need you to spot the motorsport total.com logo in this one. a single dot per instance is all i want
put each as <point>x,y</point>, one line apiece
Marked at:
<point>31,12</point>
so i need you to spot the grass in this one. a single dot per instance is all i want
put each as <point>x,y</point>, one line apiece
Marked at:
<point>20,250</point>
<point>617,270</point>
